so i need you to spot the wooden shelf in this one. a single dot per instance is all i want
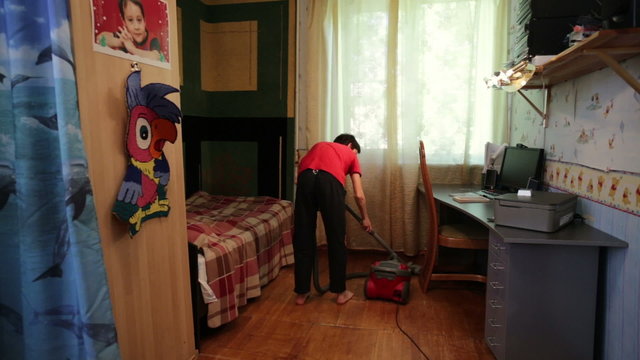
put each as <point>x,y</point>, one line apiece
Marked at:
<point>602,49</point>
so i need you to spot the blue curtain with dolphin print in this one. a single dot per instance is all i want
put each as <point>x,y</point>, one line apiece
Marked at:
<point>54,298</point>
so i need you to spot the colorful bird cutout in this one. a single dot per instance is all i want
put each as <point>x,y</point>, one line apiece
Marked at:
<point>151,123</point>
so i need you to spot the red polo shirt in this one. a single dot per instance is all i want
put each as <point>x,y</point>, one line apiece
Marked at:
<point>337,159</point>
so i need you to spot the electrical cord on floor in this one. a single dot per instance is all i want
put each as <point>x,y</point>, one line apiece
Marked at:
<point>407,335</point>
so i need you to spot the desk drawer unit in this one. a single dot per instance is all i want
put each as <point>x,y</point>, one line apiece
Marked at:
<point>498,248</point>
<point>495,314</point>
<point>540,301</point>
<point>541,286</point>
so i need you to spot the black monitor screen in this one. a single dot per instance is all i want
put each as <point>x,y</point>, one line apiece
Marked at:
<point>520,164</point>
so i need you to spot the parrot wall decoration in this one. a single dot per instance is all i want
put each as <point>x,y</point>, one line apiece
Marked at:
<point>152,120</point>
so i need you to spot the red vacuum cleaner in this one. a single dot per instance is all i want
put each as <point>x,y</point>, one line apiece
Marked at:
<point>386,280</point>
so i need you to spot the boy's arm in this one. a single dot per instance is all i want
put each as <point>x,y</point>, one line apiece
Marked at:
<point>361,201</point>
<point>127,42</point>
<point>149,54</point>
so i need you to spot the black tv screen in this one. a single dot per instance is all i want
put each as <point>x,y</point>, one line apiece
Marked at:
<point>520,164</point>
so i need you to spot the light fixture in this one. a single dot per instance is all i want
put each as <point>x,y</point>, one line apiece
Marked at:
<point>513,79</point>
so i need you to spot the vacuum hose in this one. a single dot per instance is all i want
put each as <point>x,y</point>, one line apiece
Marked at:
<point>415,269</point>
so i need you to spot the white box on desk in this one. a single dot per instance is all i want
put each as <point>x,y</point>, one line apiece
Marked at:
<point>542,211</point>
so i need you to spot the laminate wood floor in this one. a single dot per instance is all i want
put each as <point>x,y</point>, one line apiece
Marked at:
<point>447,323</point>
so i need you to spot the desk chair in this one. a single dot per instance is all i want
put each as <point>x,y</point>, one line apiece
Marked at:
<point>467,235</point>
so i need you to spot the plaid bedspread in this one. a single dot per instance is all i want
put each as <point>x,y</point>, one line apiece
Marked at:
<point>246,240</point>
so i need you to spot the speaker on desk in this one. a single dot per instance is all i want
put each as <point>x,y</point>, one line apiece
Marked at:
<point>490,179</point>
<point>533,184</point>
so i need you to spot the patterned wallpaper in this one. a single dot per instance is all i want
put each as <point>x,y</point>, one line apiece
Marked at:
<point>591,142</point>
<point>615,188</point>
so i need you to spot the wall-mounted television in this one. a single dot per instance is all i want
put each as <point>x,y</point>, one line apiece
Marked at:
<point>522,168</point>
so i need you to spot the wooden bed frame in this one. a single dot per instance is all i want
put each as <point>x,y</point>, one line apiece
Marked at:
<point>270,136</point>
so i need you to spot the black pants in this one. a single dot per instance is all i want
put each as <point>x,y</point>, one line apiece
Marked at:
<point>319,191</point>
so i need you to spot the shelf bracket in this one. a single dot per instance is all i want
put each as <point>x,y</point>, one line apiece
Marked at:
<point>542,114</point>
<point>615,66</point>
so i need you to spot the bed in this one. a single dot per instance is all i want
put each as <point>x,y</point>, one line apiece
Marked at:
<point>245,241</point>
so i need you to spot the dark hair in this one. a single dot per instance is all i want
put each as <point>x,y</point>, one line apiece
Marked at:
<point>346,139</point>
<point>122,3</point>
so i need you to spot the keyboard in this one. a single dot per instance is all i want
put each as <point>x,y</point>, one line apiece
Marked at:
<point>490,194</point>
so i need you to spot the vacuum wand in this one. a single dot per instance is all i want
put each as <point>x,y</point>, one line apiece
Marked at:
<point>394,256</point>
<point>415,269</point>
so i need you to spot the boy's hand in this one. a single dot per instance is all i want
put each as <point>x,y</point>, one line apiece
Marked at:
<point>127,39</point>
<point>366,225</point>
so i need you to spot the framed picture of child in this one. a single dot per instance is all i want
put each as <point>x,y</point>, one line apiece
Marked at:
<point>137,30</point>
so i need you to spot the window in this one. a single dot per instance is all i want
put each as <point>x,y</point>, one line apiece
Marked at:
<point>396,75</point>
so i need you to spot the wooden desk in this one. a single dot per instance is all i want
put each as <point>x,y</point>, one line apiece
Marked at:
<point>541,287</point>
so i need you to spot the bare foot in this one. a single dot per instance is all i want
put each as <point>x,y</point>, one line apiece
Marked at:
<point>302,298</point>
<point>343,297</point>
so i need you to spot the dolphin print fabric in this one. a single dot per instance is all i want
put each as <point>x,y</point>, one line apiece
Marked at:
<point>151,122</point>
<point>54,296</point>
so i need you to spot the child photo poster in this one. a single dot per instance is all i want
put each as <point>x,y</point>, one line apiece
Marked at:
<point>137,30</point>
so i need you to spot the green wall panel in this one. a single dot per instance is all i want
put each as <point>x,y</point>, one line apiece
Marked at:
<point>270,100</point>
<point>232,167</point>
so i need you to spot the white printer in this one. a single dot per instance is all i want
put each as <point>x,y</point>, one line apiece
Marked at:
<point>542,211</point>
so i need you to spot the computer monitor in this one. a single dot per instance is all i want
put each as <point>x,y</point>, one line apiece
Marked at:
<point>521,166</point>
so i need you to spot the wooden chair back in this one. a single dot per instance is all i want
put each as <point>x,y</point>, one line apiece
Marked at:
<point>431,249</point>
<point>466,235</point>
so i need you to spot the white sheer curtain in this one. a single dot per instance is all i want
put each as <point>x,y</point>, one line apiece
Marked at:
<point>392,72</point>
